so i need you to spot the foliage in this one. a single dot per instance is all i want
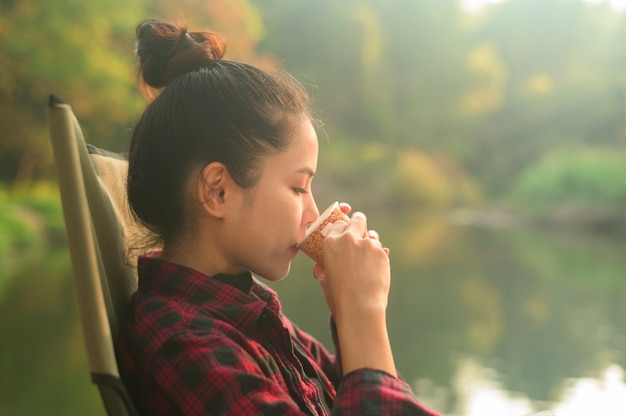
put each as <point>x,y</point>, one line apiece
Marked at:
<point>375,174</point>
<point>31,222</point>
<point>432,181</point>
<point>425,106</point>
<point>581,178</point>
<point>79,50</point>
<point>83,51</point>
<point>564,85</point>
<point>34,287</point>
<point>385,70</point>
<point>492,91</point>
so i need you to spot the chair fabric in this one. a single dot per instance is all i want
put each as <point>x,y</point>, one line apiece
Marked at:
<point>99,227</point>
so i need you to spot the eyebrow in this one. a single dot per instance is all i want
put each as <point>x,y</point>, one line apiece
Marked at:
<point>306,171</point>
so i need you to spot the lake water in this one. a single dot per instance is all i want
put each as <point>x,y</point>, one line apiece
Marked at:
<point>482,322</point>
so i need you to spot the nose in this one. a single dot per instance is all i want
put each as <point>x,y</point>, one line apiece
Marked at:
<point>310,212</point>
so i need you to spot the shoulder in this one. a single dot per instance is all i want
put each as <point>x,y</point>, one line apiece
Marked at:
<point>161,325</point>
<point>154,320</point>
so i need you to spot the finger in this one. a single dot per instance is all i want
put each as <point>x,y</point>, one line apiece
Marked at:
<point>373,235</point>
<point>358,224</point>
<point>345,207</point>
<point>376,243</point>
<point>379,245</point>
<point>336,227</point>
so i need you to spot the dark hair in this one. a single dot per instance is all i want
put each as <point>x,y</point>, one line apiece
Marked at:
<point>208,110</point>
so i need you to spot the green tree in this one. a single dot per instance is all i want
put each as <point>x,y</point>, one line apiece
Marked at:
<point>84,51</point>
<point>387,70</point>
<point>79,50</point>
<point>564,84</point>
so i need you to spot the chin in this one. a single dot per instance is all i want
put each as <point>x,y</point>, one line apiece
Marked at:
<point>275,275</point>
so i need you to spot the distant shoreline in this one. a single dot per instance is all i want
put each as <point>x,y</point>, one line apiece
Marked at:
<point>588,220</point>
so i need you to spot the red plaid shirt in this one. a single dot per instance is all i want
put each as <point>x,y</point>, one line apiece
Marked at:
<point>196,345</point>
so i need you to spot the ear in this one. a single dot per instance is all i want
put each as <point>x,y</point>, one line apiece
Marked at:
<point>214,189</point>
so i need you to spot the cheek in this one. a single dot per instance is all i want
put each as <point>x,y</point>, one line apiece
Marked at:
<point>274,215</point>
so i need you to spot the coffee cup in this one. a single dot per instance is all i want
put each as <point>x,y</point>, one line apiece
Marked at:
<point>311,244</point>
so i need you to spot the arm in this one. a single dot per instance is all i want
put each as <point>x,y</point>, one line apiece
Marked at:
<point>356,282</point>
<point>196,374</point>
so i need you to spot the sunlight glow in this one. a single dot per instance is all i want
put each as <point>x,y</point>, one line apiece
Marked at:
<point>473,6</point>
<point>480,393</point>
<point>619,5</point>
<point>596,397</point>
<point>476,6</point>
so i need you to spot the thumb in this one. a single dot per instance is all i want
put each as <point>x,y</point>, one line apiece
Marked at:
<point>318,272</point>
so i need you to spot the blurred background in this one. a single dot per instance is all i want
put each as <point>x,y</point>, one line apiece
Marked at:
<point>486,141</point>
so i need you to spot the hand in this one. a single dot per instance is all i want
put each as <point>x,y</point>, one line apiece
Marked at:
<point>356,280</point>
<point>356,276</point>
<point>318,271</point>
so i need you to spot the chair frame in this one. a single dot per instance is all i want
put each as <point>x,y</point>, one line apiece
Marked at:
<point>103,279</point>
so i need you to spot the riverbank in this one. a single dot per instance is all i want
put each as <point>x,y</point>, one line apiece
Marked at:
<point>588,220</point>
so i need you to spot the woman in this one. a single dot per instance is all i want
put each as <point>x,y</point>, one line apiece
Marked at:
<point>220,168</point>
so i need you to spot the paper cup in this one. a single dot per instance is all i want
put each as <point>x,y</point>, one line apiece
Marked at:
<point>311,244</point>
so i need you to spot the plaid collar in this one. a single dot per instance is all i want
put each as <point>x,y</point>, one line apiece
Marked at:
<point>239,299</point>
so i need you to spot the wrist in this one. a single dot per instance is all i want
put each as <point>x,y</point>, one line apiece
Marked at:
<point>364,343</point>
<point>361,324</point>
<point>354,314</point>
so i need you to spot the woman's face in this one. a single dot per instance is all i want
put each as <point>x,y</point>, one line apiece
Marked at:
<point>275,213</point>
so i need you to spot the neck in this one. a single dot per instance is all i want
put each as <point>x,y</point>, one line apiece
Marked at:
<point>204,257</point>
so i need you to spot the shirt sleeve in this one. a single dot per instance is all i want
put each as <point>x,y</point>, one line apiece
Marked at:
<point>373,392</point>
<point>369,391</point>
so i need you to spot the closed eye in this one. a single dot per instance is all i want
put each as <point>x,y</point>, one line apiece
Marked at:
<point>300,190</point>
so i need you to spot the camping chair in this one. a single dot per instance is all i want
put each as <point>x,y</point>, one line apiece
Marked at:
<point>98,224</point>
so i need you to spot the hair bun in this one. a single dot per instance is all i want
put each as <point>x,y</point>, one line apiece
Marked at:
<point>166,51</point>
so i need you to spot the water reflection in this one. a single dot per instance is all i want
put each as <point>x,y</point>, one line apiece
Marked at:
<point>483,322</point>
<point>533,311</point>
<point>43,365</point>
